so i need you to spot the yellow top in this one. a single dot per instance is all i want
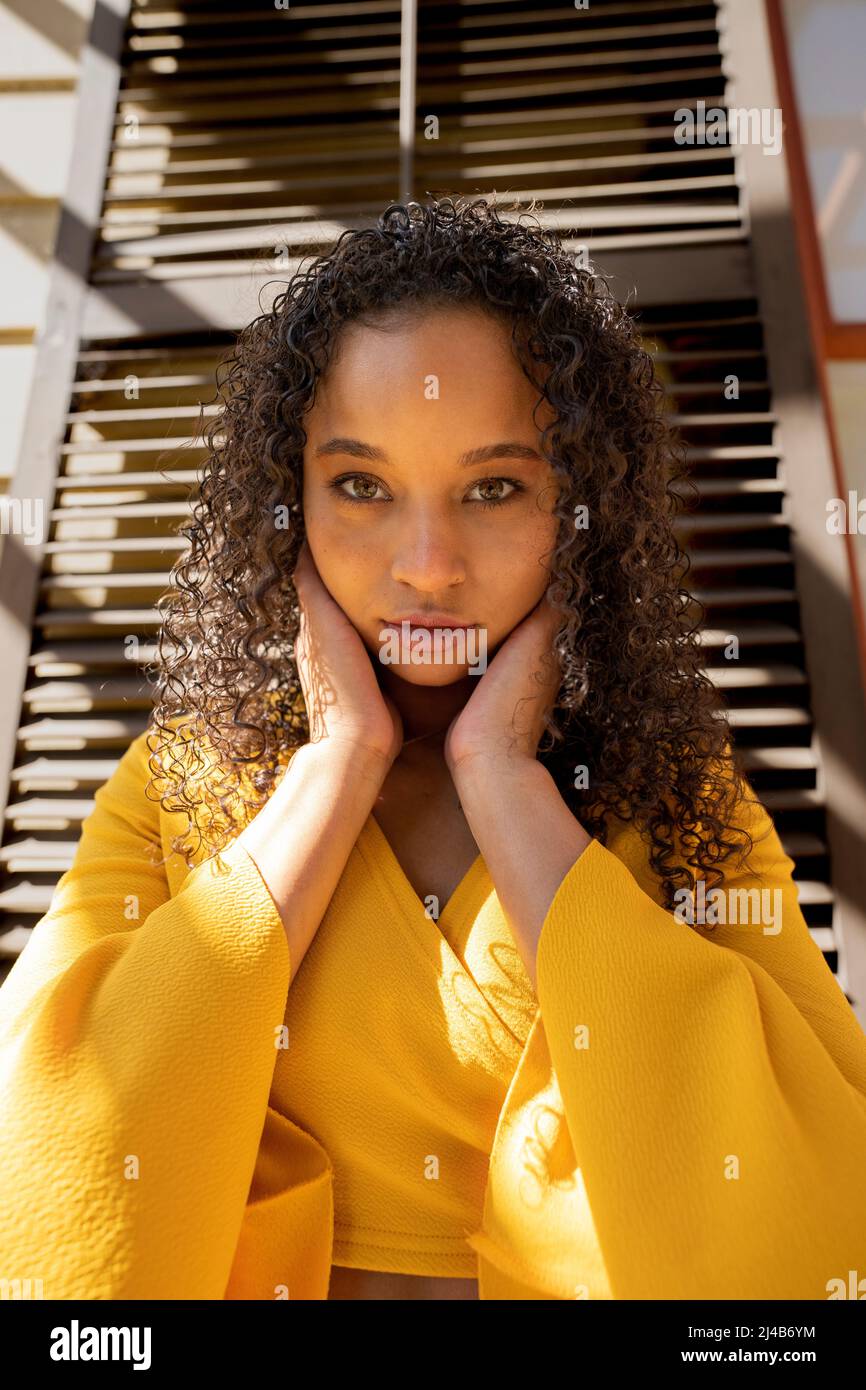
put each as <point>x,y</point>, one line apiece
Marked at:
<point>677,1114</point>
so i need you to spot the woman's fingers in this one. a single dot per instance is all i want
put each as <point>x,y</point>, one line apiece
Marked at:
<point>339,683</point>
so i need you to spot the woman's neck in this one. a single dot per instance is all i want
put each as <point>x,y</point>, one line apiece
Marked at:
<point>426,710</point>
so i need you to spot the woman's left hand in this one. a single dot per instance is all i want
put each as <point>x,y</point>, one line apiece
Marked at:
<point>503,719</point>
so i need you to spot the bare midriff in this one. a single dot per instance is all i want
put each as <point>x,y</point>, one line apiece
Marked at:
<point>373,1283</point>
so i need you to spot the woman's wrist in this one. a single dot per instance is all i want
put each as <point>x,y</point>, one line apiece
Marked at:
<point>481,767</point>
<point>302,837</point>
<point>346,756</point>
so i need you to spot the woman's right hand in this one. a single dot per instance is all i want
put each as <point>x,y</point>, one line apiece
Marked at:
<point>344,700</point>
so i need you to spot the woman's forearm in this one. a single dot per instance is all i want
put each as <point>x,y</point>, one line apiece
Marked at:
<point>303,835</point>
<point>527,835</point>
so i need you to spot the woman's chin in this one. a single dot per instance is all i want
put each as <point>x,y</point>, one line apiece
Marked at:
<point>431,675</point>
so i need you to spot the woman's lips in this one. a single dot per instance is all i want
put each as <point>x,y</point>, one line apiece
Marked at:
<point>426,622</point>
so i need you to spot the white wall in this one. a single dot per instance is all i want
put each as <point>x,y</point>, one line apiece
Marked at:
<point>39,54</point>
<point>827,46</point>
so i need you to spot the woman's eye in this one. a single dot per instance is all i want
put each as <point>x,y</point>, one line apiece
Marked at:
<point>497,498</point>
<point>363,489</point>
<point>355,480</point>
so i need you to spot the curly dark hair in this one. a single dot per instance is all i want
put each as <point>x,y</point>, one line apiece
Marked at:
<point>634,708</point>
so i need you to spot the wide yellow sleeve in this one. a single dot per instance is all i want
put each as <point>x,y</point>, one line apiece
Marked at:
<point>138,1037</point>
<point>714,1084</point>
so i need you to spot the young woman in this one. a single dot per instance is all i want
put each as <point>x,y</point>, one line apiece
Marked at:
<point>485,975</point>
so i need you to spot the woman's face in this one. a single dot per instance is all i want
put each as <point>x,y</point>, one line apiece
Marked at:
<point>425,491</point>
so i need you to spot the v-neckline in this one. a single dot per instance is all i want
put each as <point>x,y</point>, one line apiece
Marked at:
<point>475,878</point>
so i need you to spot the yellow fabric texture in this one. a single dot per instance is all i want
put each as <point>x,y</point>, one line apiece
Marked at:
<point>678,1114</point>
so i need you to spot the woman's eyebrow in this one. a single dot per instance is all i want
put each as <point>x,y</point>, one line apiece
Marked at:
<point>485,453</point>
<point>509,449</point>
<point>341,445</point>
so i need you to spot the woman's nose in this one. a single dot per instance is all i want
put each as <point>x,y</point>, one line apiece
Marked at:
<point>427,554</point>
